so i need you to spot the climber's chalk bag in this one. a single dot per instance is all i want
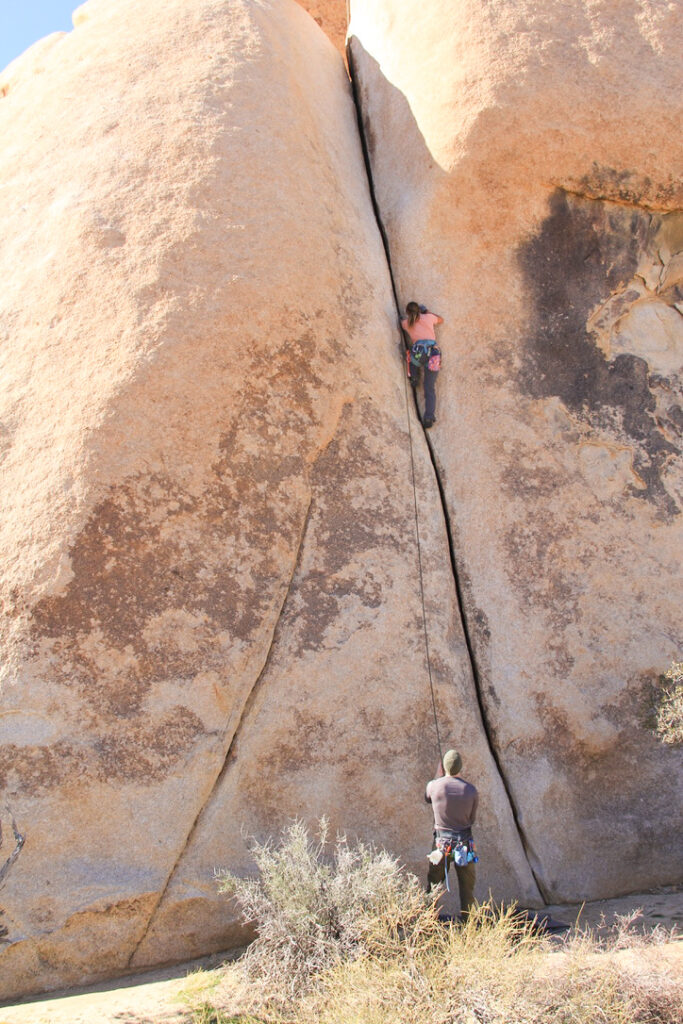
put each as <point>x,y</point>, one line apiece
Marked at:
<point>460,854</point>
<point>425,353</point>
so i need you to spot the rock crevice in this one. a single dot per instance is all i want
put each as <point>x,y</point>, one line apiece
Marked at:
<point>533,859</point>
<point>230,739</point>
<point>561,382</point>
<point>365,136</point>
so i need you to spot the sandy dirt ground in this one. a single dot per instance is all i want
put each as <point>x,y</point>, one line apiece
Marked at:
<point>155,997</point>
<point>163,996</point>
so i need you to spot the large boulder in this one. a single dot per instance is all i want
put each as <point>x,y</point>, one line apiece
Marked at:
<point>524,160</point>
<point>211,602</point>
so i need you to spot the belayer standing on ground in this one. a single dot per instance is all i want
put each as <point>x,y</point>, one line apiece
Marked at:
<point>423,355</point>
<point>454,804</point>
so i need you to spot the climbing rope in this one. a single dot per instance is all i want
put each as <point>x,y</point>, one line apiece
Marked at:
<point>366,157</point>
<point>419,562</point>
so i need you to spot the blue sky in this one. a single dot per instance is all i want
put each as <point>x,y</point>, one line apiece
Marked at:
<point>22,22</point>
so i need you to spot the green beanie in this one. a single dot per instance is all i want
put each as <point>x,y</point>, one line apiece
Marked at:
<point>452,762</point>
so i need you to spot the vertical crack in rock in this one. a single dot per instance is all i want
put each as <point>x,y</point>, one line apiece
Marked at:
<point>528,850</point>
<point>368,170</point>
<point>248,702</point>
<point>19,841</point>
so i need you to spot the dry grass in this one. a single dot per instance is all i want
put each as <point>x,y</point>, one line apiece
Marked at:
<point>497,971</point>
<point>669,706</point>
<point>492,971</point>
<point>406,967</point>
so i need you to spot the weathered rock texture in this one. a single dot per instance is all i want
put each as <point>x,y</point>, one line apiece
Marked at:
<point>211,611</point>
<point>331,15</point>
<point>524,158</point>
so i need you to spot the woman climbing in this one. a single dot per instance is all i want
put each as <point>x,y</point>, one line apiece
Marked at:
<point>423,355</point>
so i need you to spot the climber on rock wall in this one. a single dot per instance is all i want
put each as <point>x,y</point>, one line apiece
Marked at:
<point>423,355</point>
<point>454,805</point>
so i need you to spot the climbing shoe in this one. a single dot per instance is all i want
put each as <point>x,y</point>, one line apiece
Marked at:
<point>428,423</point>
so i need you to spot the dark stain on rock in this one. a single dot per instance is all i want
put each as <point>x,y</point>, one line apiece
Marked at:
<point>150,549</point>
<point>479,626</point>
<point>36,769</point>
<point>577,761</point>
<point>535,555</point>
<point>148,552</point>
<point>345,528</point>
<point>154,560</point>
<point>526,478</point>
<point>672,295</point>
<point>306,743</point>
<point>675,418</point>
<point>627,186</point>
<point>123,569</point>
<point>493,696</point>
<point>141,751</point>
<point>148,752</point>
<point>583,252</point>
<point>560,741</point>
<point>635,711</point>
<point>313,739</point>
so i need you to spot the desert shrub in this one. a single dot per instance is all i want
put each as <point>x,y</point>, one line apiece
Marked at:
<point>317,903</point>
<point>345,936</point>
<point>669,705</point>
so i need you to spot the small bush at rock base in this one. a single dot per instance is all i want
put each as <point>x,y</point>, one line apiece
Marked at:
<point>347,937</point>
<point>669,705</point>
<point>317,903</point>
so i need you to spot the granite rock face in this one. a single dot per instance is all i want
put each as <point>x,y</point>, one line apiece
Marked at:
<point>524,160</point>
<point>211,607</point>
<point>331,15</point>
<point>211,611</point>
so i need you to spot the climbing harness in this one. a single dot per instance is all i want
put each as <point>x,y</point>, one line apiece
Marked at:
<point>425,353</point>
<point>458,846</point>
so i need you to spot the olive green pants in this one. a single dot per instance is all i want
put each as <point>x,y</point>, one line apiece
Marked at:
<point>466,875</point>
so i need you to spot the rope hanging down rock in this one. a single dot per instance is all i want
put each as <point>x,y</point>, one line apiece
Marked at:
<point>419,563</point>
<point>385,243</point>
